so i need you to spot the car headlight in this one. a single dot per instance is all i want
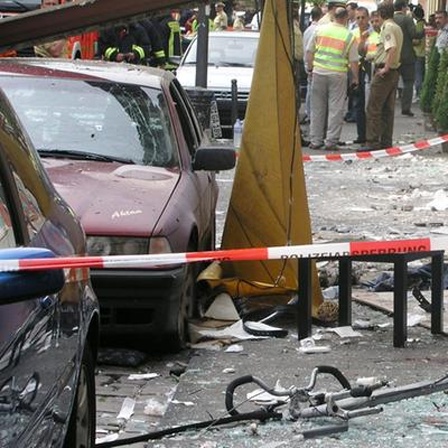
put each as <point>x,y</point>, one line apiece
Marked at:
<point>105,245</point>
<point>159,245</point>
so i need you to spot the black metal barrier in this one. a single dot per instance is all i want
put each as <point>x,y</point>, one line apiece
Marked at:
<point>206,108</point>
<point>400,262</point>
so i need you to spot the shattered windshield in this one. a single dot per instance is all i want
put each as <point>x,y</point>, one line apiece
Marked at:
<point>95,120</point>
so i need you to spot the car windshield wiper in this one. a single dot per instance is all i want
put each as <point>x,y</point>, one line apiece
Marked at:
<point>235,64</point>
<point>81,155</point>
<point>23,6</point>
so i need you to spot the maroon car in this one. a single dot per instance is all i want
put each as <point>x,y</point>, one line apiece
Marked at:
<point>123,146</point>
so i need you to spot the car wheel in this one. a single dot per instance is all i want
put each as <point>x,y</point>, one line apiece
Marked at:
<point>178,338</point>
<point>81,430</point>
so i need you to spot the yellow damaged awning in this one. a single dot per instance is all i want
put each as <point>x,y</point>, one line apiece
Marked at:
<point>268,205</point>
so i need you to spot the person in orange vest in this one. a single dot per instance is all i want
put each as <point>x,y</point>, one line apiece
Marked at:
<point>329,55</point>
<point>374,37</point>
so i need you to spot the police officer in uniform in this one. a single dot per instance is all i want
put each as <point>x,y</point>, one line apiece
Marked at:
<point>383,90</point>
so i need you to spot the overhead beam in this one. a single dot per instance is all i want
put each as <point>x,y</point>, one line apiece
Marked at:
<point>73,18</point>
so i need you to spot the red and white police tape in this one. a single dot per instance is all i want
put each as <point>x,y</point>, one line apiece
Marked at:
<point>393,151</point>
<point>326,250</point>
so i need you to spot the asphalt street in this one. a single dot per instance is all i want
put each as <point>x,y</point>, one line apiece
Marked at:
<point>190,387</point>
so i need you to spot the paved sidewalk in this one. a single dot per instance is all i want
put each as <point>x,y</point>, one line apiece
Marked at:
<point>406,130</point>
<point>415,423</point>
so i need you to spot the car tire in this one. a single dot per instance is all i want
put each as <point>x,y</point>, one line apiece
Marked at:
<point>177,339</point>
<point>82,425</point>
<point>179,336</point>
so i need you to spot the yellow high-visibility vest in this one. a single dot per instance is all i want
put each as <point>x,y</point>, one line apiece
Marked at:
<point>332,45</point>
<point>372,43</point>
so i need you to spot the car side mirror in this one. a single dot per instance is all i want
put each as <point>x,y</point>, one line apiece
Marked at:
<point>175,59</point>
<point>214,158</point>
<point>18,286</point>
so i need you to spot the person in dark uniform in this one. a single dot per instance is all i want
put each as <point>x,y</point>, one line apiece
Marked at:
<point>125,43</point>
<point>383,90</point>
<point>157,57</point>
<point>408,58</point>
<point>169,30</point>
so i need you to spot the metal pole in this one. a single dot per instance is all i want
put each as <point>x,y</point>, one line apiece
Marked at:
<point>202,48</point>
<point>234,99</point>
<point>304,304</point>
<point>302,15</point>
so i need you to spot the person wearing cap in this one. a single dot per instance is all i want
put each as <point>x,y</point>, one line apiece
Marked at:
<point>383,89</point>
<point>329,55</point>
<point>331,8</point>
<point>238,23</point>
<point>221,20</point>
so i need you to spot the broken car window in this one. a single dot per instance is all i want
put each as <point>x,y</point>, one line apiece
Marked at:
<point>119,121</point>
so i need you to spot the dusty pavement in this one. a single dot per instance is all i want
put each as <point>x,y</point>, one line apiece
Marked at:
<point>387,198</point>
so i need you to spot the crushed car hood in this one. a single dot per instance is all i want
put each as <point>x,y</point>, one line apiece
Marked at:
<point>111,198</point>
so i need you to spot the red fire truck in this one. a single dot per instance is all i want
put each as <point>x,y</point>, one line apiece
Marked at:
<point>81,46</point>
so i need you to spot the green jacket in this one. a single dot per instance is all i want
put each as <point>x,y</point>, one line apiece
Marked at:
<point>407,25</point>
